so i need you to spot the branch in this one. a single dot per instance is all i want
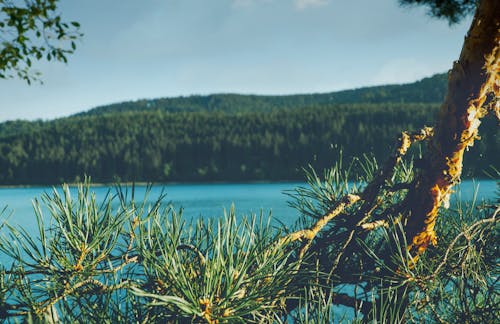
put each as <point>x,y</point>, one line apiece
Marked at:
<point>473,79</point>
<point>387,171</point>
<point>310,233</point>
<point>372,190</point>
<point>349,301</point>
<point>193,248</point>
<point>373,225</point>
<point>97,288</point>
<point>464,233</point>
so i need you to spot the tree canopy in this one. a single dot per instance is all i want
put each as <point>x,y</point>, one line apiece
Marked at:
<point>368,244</point>
<point>451,10</point>
<point>202,145</point>
<point>33,30</point>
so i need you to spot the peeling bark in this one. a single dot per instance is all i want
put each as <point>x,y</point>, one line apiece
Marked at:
<point>473,89</point>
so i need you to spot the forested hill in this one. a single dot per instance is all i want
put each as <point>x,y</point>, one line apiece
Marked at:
<point>427,90</point>
<point>217,144</point>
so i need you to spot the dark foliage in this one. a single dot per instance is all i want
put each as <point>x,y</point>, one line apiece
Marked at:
<point>212,146</point>
<point>30,31</point>
<point>427,90</point>
<point>451,10</point>
<point>225,137</point>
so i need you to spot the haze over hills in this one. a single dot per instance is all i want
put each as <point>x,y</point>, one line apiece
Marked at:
<point>226,137</point>
<point>427,90</point>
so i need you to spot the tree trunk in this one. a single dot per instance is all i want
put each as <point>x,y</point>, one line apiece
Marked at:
<point>473,82</point>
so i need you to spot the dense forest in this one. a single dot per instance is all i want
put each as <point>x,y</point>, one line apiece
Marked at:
<point>238,138</point>
<point>427,90</point>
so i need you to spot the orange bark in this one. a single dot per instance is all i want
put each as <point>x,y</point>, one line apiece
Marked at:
<point>473,80</point>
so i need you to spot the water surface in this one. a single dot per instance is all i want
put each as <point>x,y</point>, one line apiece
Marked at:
<point>211,200</point>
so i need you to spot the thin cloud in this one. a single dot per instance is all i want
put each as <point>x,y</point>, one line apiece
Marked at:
<point>242,3</point>
<point>304,4</point>
<point>248,3</point>
<point>402,70</point>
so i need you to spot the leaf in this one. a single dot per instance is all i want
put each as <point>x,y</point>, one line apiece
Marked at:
<point>181,303</point>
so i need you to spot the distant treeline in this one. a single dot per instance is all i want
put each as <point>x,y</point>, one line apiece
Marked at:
<point>158,146</point>
<point>427,90</point>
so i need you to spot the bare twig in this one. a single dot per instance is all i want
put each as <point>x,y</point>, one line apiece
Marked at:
<point>349,301</point>
<point>464,233</point>
<point>193,248</point>
<point>372,190</point>
<point>375,224</point>
<point>310,233</point>
<point>403,143</point>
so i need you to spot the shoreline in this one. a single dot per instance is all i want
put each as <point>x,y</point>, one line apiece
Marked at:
<point>144,183</point>
<point>176,183</point>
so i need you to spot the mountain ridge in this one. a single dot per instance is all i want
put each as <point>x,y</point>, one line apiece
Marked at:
<point>226,137</point>
<point>427,90</point>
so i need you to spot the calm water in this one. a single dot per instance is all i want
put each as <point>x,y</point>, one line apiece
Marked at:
<point>196,200</point>
<point>209,200</point>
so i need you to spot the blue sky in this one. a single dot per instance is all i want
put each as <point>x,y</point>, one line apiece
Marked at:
<point>160,48</point>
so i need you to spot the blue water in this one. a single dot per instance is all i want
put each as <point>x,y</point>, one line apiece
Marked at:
<point>210,200</point>
<point>196,200</point>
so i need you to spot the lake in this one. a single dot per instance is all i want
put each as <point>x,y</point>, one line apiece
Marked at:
<point>210,200</point>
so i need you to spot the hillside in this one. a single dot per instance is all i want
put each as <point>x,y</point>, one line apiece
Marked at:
<point>249,138</point>
<point>427,90</point>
